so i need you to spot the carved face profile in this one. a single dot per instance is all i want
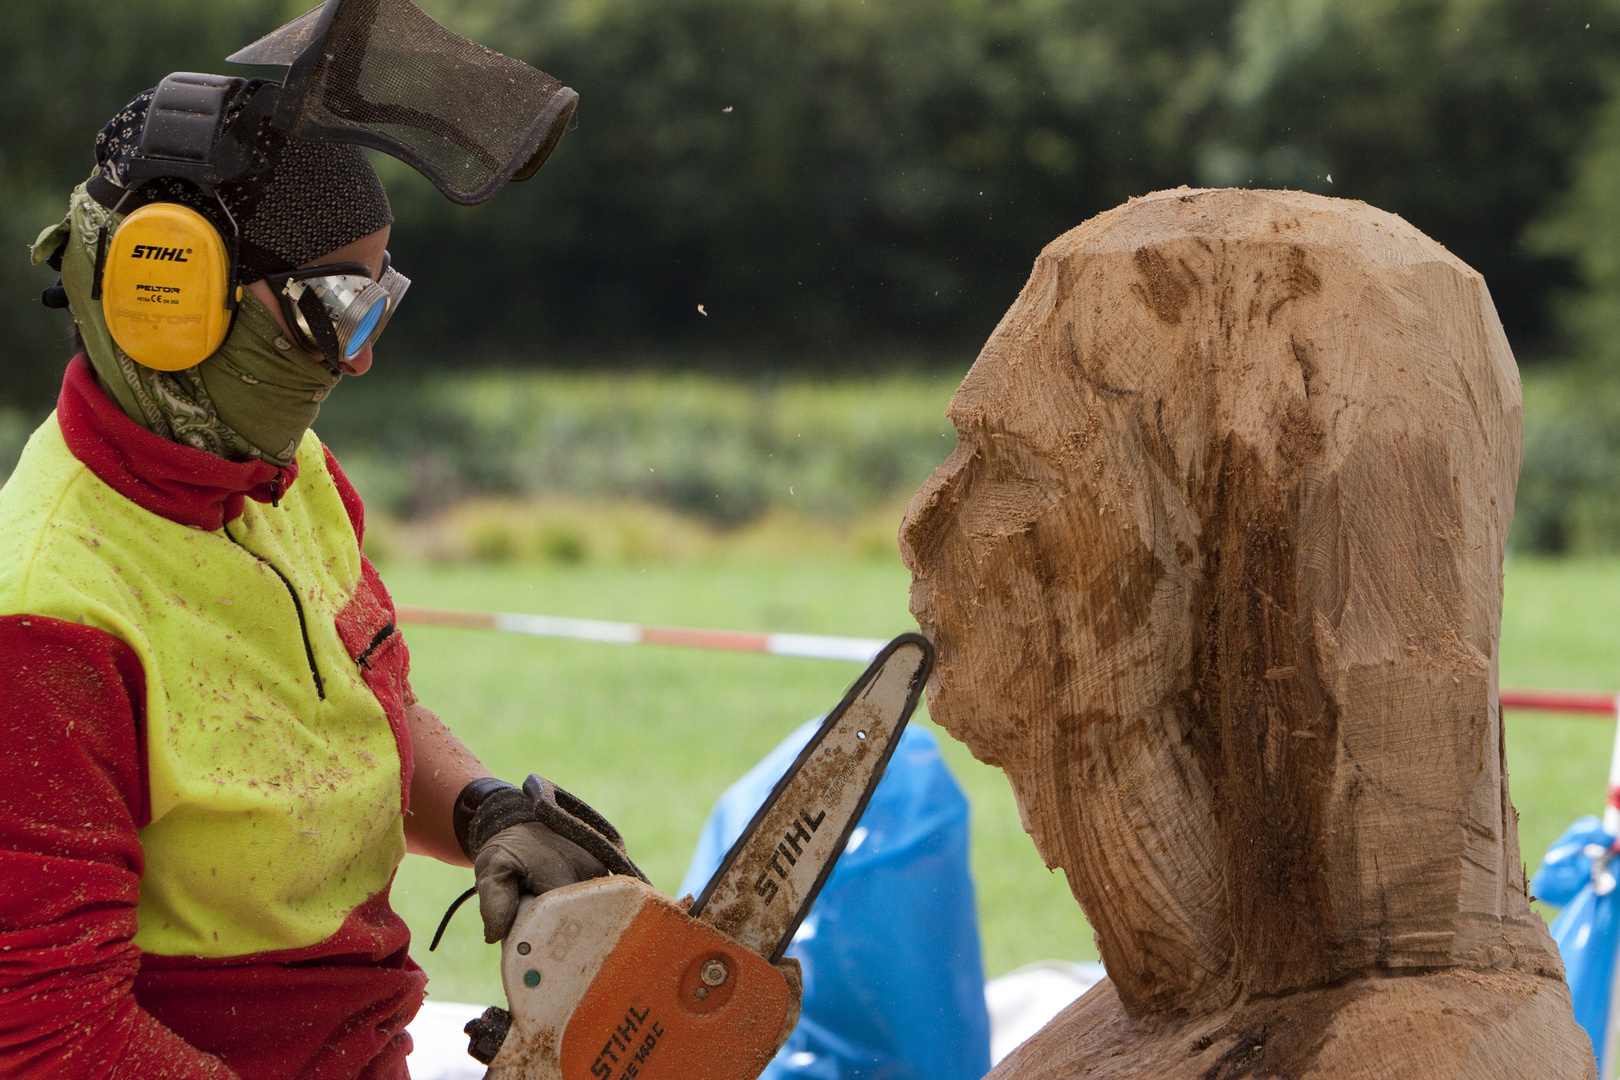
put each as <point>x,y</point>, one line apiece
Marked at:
<point>1214,575</point>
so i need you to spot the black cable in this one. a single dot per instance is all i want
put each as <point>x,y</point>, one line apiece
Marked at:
<point>444,922</point>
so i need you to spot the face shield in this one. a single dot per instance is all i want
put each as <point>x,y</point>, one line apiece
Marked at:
<point>381,73</point>
<point>377,73</point>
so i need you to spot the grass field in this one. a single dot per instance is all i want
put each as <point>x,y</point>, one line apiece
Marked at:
<point>1560,628</point>
<point>651,736</point>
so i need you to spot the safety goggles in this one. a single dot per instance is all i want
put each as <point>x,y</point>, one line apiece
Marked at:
<point>338,309</point>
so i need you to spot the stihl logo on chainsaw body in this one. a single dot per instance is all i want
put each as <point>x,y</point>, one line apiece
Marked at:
<point>630,1046</point>
<point>792,849</point>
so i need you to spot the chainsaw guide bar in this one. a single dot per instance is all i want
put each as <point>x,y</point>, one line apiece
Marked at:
<point>611,979</point>
<point>770,877</point>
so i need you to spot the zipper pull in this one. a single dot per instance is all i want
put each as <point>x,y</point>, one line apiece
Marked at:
<point>275,490</point>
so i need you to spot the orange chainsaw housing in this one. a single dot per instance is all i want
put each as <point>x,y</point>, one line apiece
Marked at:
<point>648,1015</point>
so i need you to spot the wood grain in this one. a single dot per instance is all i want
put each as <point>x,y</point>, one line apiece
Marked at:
<point>1214,574</point>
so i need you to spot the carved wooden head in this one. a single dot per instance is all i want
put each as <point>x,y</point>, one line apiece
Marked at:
<point>1214,574</point>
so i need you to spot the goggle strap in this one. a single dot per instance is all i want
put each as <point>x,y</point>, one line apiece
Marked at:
<point>307,318</point>
<point>319,325</point>
<point>294,317</point>
<point>284,277</point>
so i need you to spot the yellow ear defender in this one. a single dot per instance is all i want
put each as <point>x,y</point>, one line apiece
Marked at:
<point>166,286</point>
<point>166,276</point>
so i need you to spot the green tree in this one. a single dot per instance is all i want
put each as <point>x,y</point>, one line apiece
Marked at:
<point>65,67</point>
<point>888,169</point>
<point>840,179</point>
<point>1569,487</point>
<point>819,174</point>
<point>1463,116</point>
<point>1584,226</point>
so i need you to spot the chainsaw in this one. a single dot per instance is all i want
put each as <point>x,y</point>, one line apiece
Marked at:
<point>610,979</point>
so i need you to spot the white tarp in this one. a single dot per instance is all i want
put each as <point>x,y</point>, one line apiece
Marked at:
<point>1020,1003</point>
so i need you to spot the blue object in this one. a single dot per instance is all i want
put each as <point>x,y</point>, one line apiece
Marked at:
<point>1587,931</point>
<point>893,978</point>
<point>357,340</point>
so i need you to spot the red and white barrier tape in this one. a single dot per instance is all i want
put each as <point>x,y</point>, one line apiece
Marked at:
<point>861,650</point>
<point>1579,701</point>
<point>820,647</point>
<point>813,646</point>
<point>1592,704</point>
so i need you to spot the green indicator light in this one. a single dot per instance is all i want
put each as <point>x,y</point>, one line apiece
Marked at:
<point>531,978</point>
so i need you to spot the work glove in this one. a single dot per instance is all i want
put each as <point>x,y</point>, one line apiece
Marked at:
<point>531,841</point>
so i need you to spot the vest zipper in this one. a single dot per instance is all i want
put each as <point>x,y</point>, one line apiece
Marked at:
<point>303,627</point>
<point>364,659</point>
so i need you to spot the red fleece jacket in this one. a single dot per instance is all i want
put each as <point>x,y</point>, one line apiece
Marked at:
<point>77,997</point>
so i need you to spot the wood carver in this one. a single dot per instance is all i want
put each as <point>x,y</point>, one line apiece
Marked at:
<point>1214,575</point>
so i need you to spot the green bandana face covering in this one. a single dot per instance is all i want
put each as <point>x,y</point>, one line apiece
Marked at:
<point>252,399</point>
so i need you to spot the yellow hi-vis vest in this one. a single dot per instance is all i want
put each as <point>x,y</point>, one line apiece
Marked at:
<point>276,803</point>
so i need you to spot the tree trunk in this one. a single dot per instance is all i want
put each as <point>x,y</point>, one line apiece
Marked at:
<point>1214,575</point>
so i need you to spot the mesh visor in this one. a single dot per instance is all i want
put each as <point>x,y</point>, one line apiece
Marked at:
<point>381,73</point>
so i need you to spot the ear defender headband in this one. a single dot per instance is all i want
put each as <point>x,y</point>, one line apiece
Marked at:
<point>376,73</point>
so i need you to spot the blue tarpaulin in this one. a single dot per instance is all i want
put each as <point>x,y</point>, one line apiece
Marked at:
<point>1587,931</point>
<point>893,978</point>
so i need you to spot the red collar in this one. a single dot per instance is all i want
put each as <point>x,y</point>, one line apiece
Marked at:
<point>183,484</point>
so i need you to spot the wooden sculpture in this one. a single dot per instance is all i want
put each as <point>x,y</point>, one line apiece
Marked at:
<point>1215,576</point>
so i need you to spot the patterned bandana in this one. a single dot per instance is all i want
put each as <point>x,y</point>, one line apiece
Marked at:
<point>253,399</point>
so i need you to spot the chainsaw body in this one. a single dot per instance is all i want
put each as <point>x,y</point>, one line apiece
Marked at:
<point>611,979</point>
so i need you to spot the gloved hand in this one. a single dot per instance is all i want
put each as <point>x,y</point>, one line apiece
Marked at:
<point>525,858</point>
<point>529,842</point>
